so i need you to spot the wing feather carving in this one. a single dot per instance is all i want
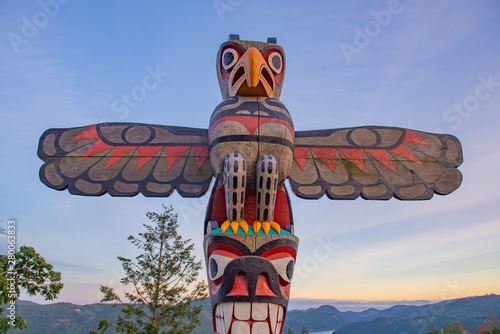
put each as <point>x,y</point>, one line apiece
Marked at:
<point>375,163</point>
<point>125,159</point>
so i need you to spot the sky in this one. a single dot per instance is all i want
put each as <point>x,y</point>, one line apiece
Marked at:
<point>424,65</point>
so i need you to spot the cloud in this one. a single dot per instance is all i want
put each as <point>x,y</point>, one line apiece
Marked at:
<point>476,238</point>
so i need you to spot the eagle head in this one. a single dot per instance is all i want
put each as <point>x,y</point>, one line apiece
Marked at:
<point>250,68</point>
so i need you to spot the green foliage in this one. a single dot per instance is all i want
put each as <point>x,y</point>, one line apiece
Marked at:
<point>304,330</point>
<point>27,270</point>
<point>458,328</point>
<point>433,330</point>
<point>494,330</point>
<point>492,324</point>
<point>66,318</point>
<point>492,320</point>
<point>289,331</point>
<point>162,301</point>
<point>448,329</point>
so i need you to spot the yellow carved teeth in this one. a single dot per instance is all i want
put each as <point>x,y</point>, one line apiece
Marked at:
<point>225,226</point>
<point>276,227</point>
<point>256,226</point>
<point>234,226</point>
<point>266,227</point>
<point>244,226</point>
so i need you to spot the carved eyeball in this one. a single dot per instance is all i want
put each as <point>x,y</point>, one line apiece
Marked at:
<point>229,58</point>
<point>216,265</point>
<point>275,62</point>
<point>284,267</point>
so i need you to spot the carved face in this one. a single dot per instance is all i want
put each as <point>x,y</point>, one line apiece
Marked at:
<point>250,68</point>
<point>249,280</point>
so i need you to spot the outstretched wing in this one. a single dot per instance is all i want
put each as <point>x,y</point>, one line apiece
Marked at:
<point>124,159</point>
<point>375,163</point>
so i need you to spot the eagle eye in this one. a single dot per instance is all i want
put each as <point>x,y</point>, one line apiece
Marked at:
<point>284,267</point>
<point>275,62</point>
<point>229,58</point>
<point>216,265</point>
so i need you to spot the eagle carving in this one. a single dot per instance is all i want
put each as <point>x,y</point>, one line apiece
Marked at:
<point>250,148</point>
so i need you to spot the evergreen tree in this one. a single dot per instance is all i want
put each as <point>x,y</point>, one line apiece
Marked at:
<point>458,328</point>
<point>164,281</point>
<point>448,329</point>
<point>492,320</point>
<point>480,329</point>
<point>433,330</point>
<point>27,270</point>
<point>494,330</point>
<point>304,330</point>
<point>290,331</point>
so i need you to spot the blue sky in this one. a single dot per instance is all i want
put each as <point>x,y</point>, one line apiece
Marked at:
<point>424,65</point>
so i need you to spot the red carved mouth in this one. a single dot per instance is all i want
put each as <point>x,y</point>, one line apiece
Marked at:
<point>248,318</point>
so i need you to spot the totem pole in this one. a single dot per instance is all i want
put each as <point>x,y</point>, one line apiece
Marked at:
<point>250,148</point>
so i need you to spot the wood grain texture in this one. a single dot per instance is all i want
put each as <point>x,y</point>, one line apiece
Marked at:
<point>230,256</point>
<point>250,274</point>
<point>250,59</point>
<point>375,163</point>
<point>125,159</point>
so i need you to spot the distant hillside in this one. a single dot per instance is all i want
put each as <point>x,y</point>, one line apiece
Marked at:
<point>470,312</point>
<point>323,318</point>
<point>351,305</point>
<point>67,318</point>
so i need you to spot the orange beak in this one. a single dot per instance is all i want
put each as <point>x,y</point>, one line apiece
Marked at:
<point>251,76</point>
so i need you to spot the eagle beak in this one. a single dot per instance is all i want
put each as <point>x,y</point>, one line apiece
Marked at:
<point>252,76</point>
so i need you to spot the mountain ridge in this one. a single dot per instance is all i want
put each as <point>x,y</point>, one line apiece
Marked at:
<point>353,305</point>
<point>471,311</point>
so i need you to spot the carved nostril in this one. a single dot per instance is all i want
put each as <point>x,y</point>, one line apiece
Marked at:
<point>240,287</point>
<point>239,73</point>
<point>264,286</point>
<point>267,76</point>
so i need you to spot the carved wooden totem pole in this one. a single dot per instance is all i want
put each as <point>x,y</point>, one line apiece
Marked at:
<point>250,148</point>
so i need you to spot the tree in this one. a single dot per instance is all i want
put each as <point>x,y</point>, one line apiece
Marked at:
<point>492,325</point>
<point>304,330</point>
<point>491,320</point>
<point>161,277</point>
<point>494,330</point>
<point>458,328</point>
<point>289,331</point>
<point>448,329</point>
<point>480,329</point>
<point>27,270</point>
<point>433,330</point>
